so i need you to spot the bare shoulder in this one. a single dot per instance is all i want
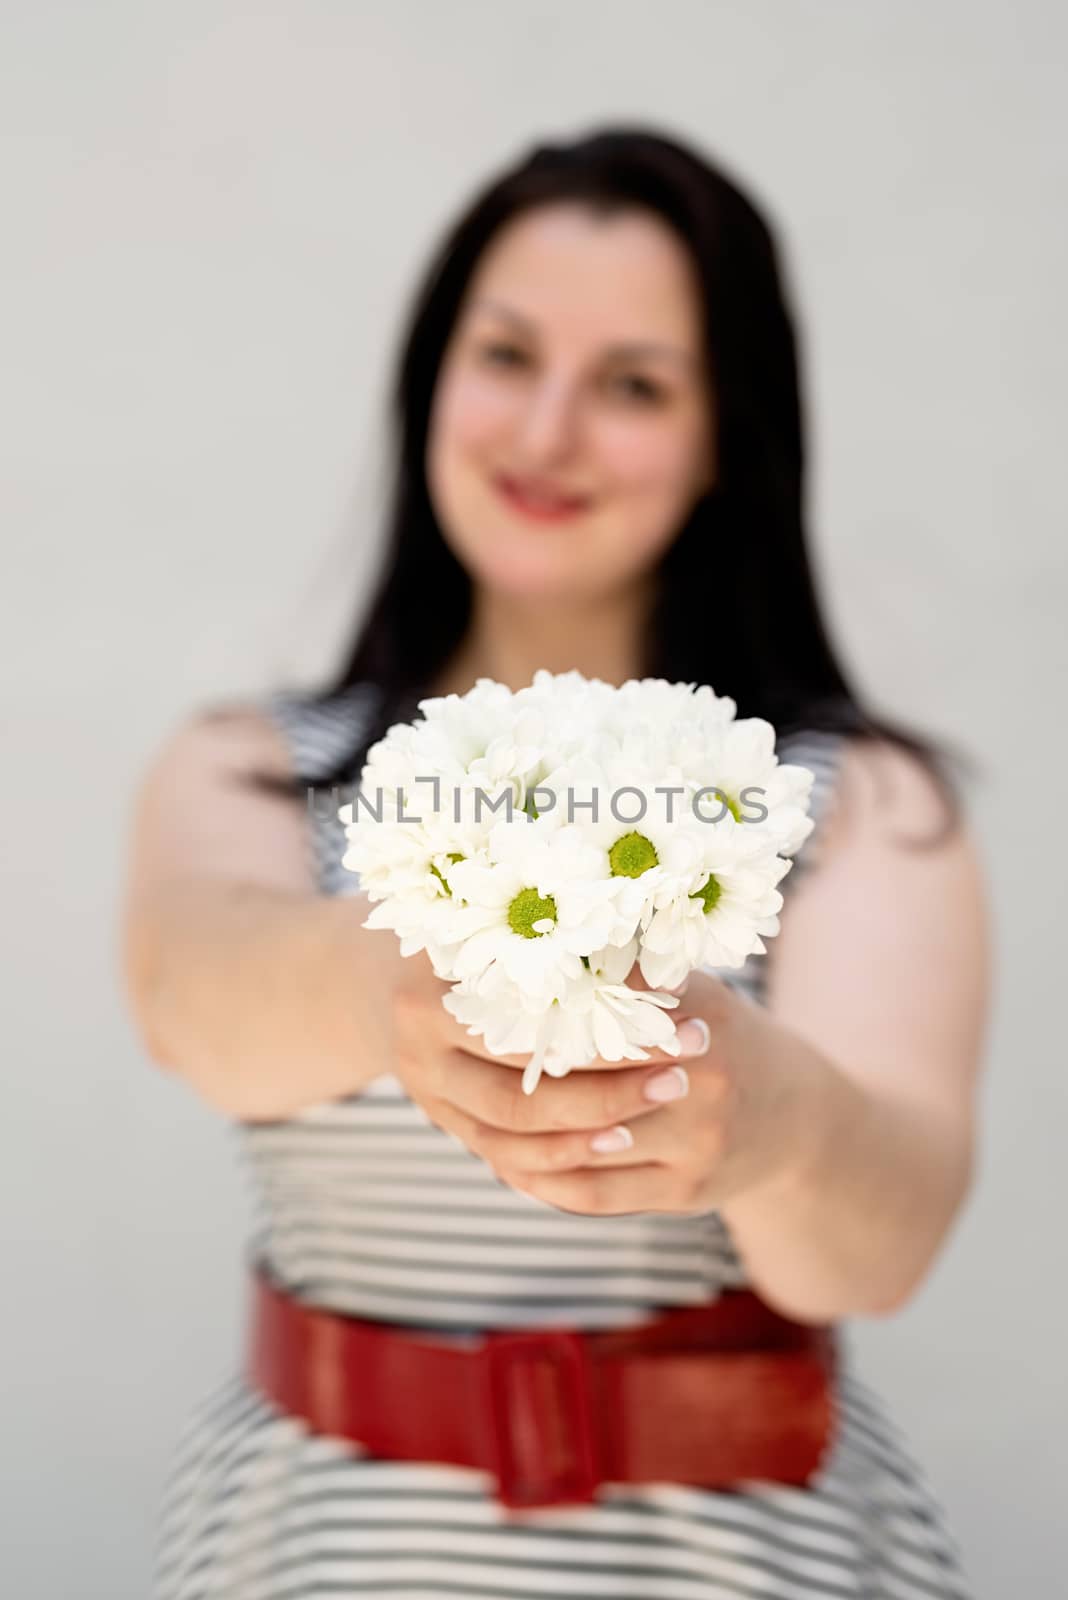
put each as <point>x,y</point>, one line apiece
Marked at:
<point>887,806</point>
<point>894,853</point>
<point>198,808</point>
<point>235,736</point>
<point>885,944</point>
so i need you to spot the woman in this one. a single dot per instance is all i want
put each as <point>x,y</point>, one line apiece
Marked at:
<point>599,467</point>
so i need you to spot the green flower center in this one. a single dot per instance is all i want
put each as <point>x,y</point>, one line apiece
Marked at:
<point>709,892</point>
<point>530,808</point>
<point>528,907</point>
<point>632,855</point>
<point>722,798</point>
<point>454,856</point>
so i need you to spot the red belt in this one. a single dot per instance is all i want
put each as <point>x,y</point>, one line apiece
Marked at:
<point>704,1395</point>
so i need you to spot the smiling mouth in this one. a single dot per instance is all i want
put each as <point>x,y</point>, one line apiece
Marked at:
<point>534,500</point>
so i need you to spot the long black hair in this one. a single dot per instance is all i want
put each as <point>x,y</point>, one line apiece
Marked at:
<point>737,605</point>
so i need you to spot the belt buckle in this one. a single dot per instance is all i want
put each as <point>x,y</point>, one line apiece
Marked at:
<point>541,1418</point>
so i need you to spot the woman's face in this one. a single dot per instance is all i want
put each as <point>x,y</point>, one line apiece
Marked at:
<point>571,429</point>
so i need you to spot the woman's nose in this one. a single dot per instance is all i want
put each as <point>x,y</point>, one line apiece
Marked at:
<point>549,425</point>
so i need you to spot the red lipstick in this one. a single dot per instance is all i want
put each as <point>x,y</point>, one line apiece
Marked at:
<point>537,499</point>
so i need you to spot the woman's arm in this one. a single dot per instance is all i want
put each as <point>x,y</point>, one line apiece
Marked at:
<point>881,974</point>
<point>263,993</point>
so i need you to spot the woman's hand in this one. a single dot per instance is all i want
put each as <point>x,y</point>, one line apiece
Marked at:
<point>478,1096</point>
<point>743,1122</point>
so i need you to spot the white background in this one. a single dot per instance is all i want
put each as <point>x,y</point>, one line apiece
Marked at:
<point>212,215</point>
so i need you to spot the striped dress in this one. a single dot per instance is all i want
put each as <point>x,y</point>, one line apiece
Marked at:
<point>363,1205</point>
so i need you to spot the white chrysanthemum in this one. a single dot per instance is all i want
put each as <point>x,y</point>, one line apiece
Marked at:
<point>575,703</point>
<point>639,813</point>
<point>459,728</point>
<point>391,844</point>
<point>422,920</point>
<point>463,767</point>
<point>600,1016</point>
<point>480,846</point>
<point>535,908</point>
<point>402,854</point>
<point>654,702</point>
<point>419,763</point>
<point>741,763</point>
<point>486,750</point>
<point>410,886</point>
<point>719,923</point>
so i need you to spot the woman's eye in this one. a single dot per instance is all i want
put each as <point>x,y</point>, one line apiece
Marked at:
<point>635,387</point>
<point>502,354</point>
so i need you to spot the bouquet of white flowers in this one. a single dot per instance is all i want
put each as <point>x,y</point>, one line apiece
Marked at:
<point>538,843</point>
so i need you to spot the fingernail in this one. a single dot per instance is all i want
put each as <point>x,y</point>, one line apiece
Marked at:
<point>619,1138</point>
<point>669,1085</point>
<point>694,1036</point>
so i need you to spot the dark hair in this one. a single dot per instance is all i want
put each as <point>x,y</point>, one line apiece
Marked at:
<point>737,606</point>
